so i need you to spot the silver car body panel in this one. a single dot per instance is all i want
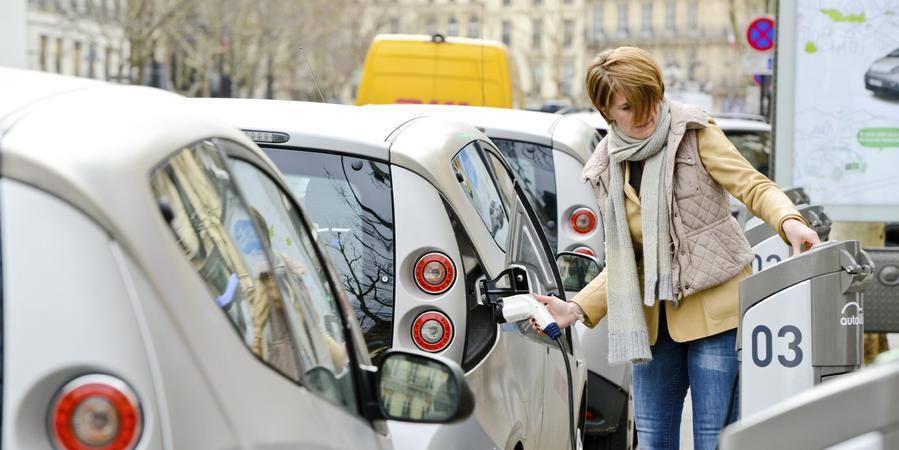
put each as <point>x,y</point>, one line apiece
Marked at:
<point>509,391</point>
<point>78,203</point>
<point>830,414</point>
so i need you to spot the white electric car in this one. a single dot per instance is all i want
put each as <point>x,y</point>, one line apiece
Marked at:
<point>547,152</point>
<point>428,228</point>
<point>161,289</point>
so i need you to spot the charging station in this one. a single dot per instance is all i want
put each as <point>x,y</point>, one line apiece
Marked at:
<point>767,246</point>
<point>802,321</point>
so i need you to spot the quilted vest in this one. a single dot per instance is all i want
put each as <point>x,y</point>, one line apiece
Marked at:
<point>708,246</point>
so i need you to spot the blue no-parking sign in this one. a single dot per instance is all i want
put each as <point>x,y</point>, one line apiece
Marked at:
<point>760,34</point>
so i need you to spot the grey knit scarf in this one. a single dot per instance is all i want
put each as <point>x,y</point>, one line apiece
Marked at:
<point>628,337</point>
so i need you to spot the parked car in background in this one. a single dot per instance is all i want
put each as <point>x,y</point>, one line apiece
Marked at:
<point>161,289</point>
<point>404,68</point>
<point>419,213</point>
<point>883,76</point>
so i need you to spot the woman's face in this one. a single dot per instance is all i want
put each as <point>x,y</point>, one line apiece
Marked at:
<point>623,114</point>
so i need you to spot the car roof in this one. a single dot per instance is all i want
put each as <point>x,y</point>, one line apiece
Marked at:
<point>592,118</point>
<point>312,125</point>
<point>422,144</point>
<point>553,130</point>
<point>733,124</point>
<point>596,120</point>
<point>82,140</point>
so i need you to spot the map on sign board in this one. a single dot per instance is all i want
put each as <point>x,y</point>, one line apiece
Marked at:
<point>846,110</point>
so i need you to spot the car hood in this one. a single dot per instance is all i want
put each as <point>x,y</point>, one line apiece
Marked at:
<point>885,65</point>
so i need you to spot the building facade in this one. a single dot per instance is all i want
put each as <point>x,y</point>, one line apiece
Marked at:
<point>699,44</point>
<point>77,37</point>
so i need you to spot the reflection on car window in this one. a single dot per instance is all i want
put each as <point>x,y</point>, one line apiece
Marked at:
<point>310,308</point>
<point>526,248</point>
<point>218,236</point>
<point>350,201</point>
<point>478,186</point>
<point>755,146</point>
<point>534,166</point>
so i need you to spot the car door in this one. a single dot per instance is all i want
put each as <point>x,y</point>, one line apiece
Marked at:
<point>316,319</point>
<point>246,240</point>
<point>530,249</point>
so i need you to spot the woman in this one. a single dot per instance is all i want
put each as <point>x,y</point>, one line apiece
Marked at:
<point>675,256</point>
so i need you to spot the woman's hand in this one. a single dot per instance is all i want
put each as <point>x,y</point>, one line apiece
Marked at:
<point>800,236</point>
<point>563,312</point>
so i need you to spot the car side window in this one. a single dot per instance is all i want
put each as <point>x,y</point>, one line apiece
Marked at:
<point>197,198</point>
<point>310,305</point>
<point>525,248</point>
<point>478,185</point>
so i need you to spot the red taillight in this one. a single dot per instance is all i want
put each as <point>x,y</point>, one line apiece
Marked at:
<point>434,273</point>
<point>583,220</point>
<point>584,250</point>
<point>95,412</point>
<point>432,331</point>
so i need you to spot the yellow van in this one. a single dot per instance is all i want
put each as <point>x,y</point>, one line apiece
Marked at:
<point>438,70</point>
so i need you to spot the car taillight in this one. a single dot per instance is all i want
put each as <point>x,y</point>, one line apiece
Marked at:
<point>95,412</point>
<point>584,250</point>
<point>434,273</point>
<point>583,220</point>
<point>432,331</point>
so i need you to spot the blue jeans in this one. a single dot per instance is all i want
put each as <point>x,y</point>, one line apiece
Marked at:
<point>707,366</point>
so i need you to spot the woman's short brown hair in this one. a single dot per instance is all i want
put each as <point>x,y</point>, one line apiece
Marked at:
<point>628,71</point>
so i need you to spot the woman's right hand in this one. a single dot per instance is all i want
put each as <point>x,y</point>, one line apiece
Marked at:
<point>564,313</point>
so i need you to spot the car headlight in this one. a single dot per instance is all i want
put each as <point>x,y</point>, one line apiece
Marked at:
<point>895,70</point>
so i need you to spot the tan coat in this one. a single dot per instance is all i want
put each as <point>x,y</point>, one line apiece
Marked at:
<point>711,253</point>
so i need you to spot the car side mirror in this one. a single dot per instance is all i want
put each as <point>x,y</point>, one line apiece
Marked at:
<point>577,270</point>
<point>422,389</point>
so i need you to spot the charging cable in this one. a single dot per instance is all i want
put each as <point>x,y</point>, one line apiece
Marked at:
<point>522,307</point>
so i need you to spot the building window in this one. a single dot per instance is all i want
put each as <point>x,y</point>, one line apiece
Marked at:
<point>537,74</point>
<point>538,2</point>
<point>431,26</point>
<point>567,77</point>
<point>474,27</point>
<point>92,60</point>
<point>76,59</point>
<point>452,27</point>
<point>567,33</point>
<point>107,64</point>
<point>623,27</point>
<point>670,15</point>
<point>58,62</point>
<point>536,33</point>
<point>507,2</point>
<point>647,18</point>
<point>597,23</point>
<point>692,11</point>
<point>394,25</point>
<point>507,32</point>
<point>42,55</point>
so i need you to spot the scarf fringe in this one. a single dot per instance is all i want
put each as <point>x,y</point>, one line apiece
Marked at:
<point>629,346</point>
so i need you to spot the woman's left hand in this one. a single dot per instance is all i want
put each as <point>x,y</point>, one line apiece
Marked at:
<point>800,235</point>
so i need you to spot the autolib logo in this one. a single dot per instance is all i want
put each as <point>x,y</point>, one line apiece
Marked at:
<point>856,320</point>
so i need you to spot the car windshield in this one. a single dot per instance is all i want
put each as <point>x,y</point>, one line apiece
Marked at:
<point>755,146</point>
<point>533,166</point>
<point>350,203</point>
<point>895,53</point>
